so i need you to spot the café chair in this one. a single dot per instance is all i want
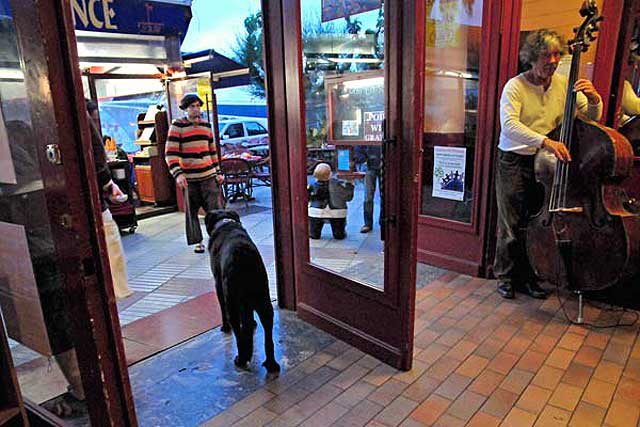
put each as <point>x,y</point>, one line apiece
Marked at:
<point>237,180</point>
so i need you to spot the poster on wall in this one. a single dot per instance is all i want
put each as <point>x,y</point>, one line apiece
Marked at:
<point>350,128</point>
<point>7,172</point>
<point>448,172</point>
<point>373,125</point>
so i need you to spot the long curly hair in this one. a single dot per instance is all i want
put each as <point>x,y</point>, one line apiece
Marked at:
<point>538,42</point>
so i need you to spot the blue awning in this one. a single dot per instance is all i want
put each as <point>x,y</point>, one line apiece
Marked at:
<point>155,18</point>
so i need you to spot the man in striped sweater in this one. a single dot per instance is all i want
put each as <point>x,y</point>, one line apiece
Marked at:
<point>193,161</point>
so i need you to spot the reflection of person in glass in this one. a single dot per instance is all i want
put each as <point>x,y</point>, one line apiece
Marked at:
<point>372,156</point>
<point>531,106</point>
<point>328,199</point>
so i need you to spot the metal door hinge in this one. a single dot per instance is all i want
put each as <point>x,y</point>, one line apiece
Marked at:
<point>53,154</point>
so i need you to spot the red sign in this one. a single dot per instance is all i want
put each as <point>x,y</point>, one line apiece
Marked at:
<point>334,9</point>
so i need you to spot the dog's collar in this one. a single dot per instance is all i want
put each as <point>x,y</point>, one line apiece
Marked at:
<point>222,222</point>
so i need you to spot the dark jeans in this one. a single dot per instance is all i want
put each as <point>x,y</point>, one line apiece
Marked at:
<point>371,177</point>
<point>516,195</point>
<point>202,194</point>
<point>338,226</point>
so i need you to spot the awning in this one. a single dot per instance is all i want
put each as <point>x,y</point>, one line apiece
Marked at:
<point>225,71</point>
<point>131,31</point>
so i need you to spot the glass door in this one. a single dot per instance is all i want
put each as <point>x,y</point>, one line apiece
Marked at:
<point>54,289</point>
<point>352,169</point>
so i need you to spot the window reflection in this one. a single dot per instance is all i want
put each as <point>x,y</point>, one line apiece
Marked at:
<point>344,89</point>
<point>452,75</point>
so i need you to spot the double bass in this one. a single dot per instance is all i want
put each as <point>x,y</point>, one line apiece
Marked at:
<point>585,237</point>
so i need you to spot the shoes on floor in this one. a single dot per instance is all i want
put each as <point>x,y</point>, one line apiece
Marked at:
<point>534,290</point>
<point>199,249</point>
<point>505,289</point>
<point>365,229</point>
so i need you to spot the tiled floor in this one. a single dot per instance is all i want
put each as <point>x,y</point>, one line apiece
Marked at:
<point>479,360</point>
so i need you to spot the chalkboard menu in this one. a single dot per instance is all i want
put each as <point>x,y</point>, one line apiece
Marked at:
<point>356,107</point>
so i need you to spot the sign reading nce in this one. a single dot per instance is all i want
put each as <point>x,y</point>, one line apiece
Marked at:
<point>94,14</point>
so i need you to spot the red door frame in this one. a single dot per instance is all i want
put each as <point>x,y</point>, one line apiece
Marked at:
<point>46,36</point>
<point>452,244</point>
<point>380,323</point>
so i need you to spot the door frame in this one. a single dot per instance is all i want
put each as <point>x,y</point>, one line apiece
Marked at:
<point>46,36</point>
<point>330,311</point>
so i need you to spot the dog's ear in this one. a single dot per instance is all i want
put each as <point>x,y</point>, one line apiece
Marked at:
<point>233,215</point>
<point>212,218</point>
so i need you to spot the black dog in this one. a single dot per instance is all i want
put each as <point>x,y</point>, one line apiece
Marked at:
<point>242,285</point>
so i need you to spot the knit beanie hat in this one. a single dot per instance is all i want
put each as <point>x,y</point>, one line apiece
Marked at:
<point>190,99</point>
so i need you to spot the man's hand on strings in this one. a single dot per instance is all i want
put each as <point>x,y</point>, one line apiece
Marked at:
<point>558,149</point>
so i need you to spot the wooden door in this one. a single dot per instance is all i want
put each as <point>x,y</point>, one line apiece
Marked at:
<point>55,283</point>
<point>359,287</point>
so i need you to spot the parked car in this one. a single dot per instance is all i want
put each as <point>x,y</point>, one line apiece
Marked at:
<point>243,133</point>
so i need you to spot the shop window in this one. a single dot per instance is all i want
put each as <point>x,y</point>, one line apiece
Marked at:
<point>234,131</point>
<point>452,82</point>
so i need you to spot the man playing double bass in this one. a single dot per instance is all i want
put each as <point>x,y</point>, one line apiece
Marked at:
<point>531,106</point>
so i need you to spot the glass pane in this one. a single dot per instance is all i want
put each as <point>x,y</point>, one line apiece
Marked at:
<point>344,90</point>
<point>452,77</point>
<point>120,101</point>
<point>562,17</point>
<point>33,298</point>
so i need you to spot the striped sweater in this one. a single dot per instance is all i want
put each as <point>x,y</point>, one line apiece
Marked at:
<point>191,150</point>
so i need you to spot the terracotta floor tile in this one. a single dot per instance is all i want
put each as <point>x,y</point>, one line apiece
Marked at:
<point>386,393</point>
<point>504,332</point>
<point>548,377</point>
<point>260,416</point>
<point>629,390</point>
<point>632,370</point>
<point>516,381</point>
<point>432,353</point>
<point>472,366</point>
<point>359,415</point>
<point>597,340</point>
<point>451,337</point>
<point>518,418</point>
<point>466,405</point>
<point>608,371</point>
<point>588,356</point>
<point>617,352</point>
<point>447,420</point>
<point>482,419</point>
<point>489,348</point>
<point>431,409</point>
<point>533,399</point>
<point>425,338</point>
<point>517,345</point>
<point>325,415</point>
<point>543,343</point>
<point>531,361</point>
<point>355,394</point>
<point>621,414</point>
<point>462,349</point>
<point>502,363</point>
<point>500,403</point>
<point>598,393</point>
<point>560,358</point>
<point>453,386</point>
<point>421,388</point>
<point>577,375</point>
<point>411,376</point>
<point>571,341</point>
<point>587,415</point>
<point>553,417</point>
<point>443,367</point>
<point>395,412</point>
<point>486,382</point>
<point>578,329</point>
<point>566,396</point>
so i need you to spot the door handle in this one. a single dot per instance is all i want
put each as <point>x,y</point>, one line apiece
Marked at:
<point>53,154</point>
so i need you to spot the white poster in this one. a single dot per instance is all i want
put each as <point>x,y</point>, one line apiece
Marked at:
<point>448,172</point>
<point>350,128</point>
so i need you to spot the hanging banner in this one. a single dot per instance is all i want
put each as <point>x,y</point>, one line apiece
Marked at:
<point>334,9</point>
<point>448,172</point>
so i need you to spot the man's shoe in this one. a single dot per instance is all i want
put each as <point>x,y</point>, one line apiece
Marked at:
<point>199,248</point>
<point>505,289</point>
<point>534,290</point>
<point>365,229</point>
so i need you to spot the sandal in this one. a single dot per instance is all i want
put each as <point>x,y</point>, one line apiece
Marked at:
<point>199,248</point>
<point>66,406</point>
